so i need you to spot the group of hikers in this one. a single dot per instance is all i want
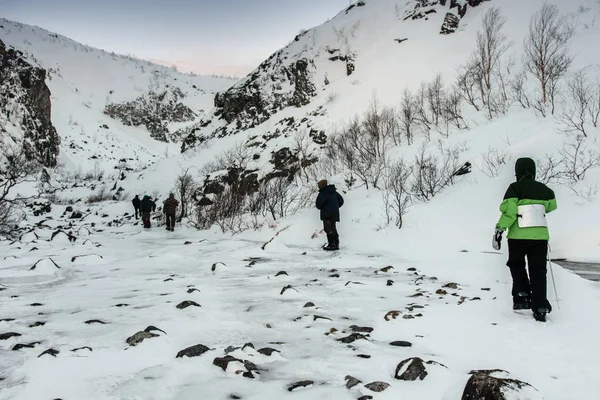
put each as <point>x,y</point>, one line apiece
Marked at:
<point>523,210</point>
<point>146,206</point>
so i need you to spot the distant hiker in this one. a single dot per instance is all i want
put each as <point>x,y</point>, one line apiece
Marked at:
<point>170,208</point>
<point>524,209</point>
<point>329,202</point>
<point>147,206</point>
<point>136,205</point>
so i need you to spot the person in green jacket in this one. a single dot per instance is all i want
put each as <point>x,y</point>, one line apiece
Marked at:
<point>524,210</point>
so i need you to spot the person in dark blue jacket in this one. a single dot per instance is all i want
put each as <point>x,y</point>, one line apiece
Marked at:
<point>329,202</point>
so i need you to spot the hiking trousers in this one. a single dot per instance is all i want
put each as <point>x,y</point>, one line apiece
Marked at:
<point>533,284</point>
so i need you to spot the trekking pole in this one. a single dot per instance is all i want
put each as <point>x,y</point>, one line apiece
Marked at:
<point>553,280</point>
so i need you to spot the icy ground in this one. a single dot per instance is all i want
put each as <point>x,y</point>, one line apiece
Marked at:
<point>453,308</point>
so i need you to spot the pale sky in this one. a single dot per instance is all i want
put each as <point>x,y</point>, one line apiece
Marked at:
<point>205,36</point>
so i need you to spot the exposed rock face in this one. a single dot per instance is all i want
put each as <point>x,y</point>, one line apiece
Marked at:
<point>275,85</point>
<point>25,102</point>
<point>450,24</point>
<point>497,385</point>
<point>154,111</point>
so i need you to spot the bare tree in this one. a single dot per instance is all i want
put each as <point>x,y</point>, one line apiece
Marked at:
<point>549,170</point>
<point>578,105</point>
<point>491,46</point>
<point>396,194</point>
<point>469,83</point>
<point>408,116</point>
<point>435,98</point>
<point>547,55</point>
<point>185,187</point>
<point>15,169</point>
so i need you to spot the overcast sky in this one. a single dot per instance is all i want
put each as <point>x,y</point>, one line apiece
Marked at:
<point>206,36</point>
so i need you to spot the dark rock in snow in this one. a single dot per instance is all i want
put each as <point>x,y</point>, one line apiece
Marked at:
<point>287,288</point>
<point>411,369</point>
<point>192,290</point>
<point>351,381</point>
<point>377,386</point>
<point>36,304</point>
<point>95,321</point>
<point>365,397</point>
<point>390,282</point>
<point>267,351</point>
<point>139,338</point>
<point>316,317</point>
<point>36,324</point>
<point>483,386</point>
<point>352,338</point>
<point>300,384</point>
<point>186,304</point>
<point>309,304</point>
<point>6,319</point>
<point>401,343</point>
<point>82,348</point>
<point>23,346</point>
<point>193,351</point>
<point>250,345</point>
<point>281,273</point>
<point>451,285</point>
<point>231,349</point>
<point>361,329</point>
<point>122,305</point>
<point>223,362</point>
<point>365,356</point>
<point>8,335</point>
<point>51,352</point>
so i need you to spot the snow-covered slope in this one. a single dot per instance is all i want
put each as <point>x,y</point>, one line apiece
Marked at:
<point>84,80</point>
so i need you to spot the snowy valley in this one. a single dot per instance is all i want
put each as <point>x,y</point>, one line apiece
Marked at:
<point>390,101</point>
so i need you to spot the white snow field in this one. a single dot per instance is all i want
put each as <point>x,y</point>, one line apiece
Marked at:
<point>101,280</point>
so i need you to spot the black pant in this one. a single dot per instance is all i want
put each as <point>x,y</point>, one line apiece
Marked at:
<point>137,212</point>
<point>535,284</point>
<point>170,221</point>
<point>329,226</point>
<point>146,219</point>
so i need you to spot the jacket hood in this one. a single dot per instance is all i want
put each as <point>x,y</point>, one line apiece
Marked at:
<point>330,188</point>
<point>525,167</point>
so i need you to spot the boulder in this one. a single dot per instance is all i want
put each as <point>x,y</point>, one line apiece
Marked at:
<point>497,385</point>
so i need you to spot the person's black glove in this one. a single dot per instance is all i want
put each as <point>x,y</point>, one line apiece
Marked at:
<point>497,239</point>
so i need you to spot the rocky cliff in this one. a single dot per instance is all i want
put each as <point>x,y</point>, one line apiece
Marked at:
<point>25,105</point>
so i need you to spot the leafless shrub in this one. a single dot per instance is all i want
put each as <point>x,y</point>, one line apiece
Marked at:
<point>547,56</point>
<point>302,146</point>
<point>549,170</point>
<point>15,169</point>
<point>332,97</point>
<point>518,89</point>
<point>582,105</point>
<point>237,156</point>
<point>435,99</point>
<point>102,194</point>
<point>492,161</point>
<point>361,148</point>
<point>185,186</point>
<point>578,159</point>
<point>431,174</point>
<point>396,193</point>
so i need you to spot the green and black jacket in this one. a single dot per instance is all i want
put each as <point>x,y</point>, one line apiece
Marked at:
<point>525,191</point>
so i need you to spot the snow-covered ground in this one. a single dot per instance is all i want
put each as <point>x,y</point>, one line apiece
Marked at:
<point>130,279</point>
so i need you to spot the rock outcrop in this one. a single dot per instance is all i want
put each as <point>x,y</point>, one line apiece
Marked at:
<point>154,111</point>
<point>25,104</point>
<point>276,84</point>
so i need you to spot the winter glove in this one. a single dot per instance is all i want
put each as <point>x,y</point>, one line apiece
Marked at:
<point>497,239</point>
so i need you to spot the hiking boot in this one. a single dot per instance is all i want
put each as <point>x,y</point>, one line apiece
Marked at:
<point>522,301</point>
<point>540,314</point>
